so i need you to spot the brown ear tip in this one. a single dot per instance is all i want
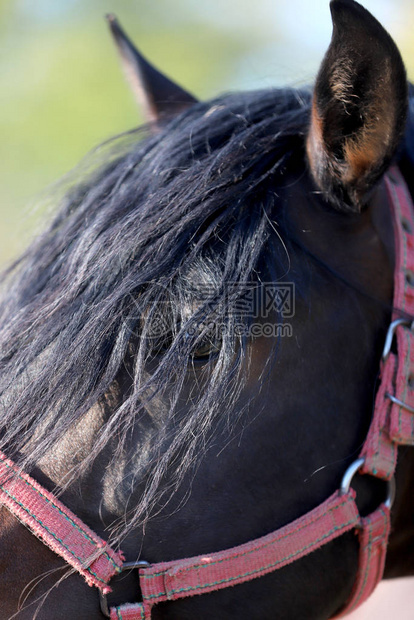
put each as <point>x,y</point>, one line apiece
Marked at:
<point>111,18</point>
<point>343,3</point>
<point>347,8</point>
<point>115,27</point>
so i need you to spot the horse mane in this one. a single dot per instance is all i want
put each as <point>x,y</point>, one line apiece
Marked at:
<point>162,215</point>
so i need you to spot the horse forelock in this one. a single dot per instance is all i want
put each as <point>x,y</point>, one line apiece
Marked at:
<point>168,215</point>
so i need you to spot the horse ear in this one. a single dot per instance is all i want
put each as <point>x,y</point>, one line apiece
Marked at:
<point>359,107</point>
<point>161,98</point>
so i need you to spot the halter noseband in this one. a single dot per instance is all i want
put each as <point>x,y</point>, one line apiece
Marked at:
<point>392,425</point>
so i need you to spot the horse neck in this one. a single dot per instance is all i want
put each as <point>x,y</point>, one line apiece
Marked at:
<point>400,554</point>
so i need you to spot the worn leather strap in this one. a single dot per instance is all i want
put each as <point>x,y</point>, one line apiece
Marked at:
<point>178,579</point>
<point>139,611</point>
<point>373,538</point>
<point>57,527</point>
<point>392,424</point>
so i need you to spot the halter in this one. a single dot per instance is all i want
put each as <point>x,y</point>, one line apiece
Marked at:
<point>392,425</point>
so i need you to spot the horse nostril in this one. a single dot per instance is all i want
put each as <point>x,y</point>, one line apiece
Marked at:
<point>406,226</point>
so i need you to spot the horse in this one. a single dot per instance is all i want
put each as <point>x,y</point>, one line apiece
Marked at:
<point>209,340</point>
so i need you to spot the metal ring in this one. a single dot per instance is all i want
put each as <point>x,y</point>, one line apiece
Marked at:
<point>349,475</point>
<point>132,565</point>
<point>400,403</point>
<point>103,601</point>
<point>391,494</point>
<point>390,335</point>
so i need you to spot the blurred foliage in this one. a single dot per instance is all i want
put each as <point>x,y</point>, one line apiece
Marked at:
<point>62,92</point>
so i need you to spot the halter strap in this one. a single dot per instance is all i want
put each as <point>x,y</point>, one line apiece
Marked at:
<point>206,573</point>
<point>393,419</point>
<point>57,527</point>
<point>393,422</point>
<point>392,425</point>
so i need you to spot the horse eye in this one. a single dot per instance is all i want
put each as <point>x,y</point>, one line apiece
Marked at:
<point>162,344</point>
<point>208,347</point>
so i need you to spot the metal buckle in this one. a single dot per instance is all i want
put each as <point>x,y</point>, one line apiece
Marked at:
<point>400,403</point>
<point>103,601</point>
<point>390,335</point>
<point>349,475</point>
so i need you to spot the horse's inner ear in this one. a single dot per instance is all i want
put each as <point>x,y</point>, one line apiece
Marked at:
<point>160,98</point>
<point>359,107</point>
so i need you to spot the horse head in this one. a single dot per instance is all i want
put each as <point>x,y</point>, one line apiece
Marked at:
<point>190,352</point>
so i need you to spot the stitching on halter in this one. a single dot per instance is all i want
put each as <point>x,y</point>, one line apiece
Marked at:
<point>52,534</point>
<point>263,546</point>
<point>66,516</point>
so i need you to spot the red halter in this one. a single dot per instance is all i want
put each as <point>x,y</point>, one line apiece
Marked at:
<point>392,425</point>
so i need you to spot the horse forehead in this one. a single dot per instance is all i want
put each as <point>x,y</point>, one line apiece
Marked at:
<point>358,247</point>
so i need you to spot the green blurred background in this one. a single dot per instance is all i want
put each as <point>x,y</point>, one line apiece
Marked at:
<point>62,91</point>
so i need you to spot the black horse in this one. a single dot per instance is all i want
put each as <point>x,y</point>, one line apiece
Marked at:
<point>190,351</point>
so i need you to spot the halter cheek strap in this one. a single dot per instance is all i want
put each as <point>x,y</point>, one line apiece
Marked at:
<point>392,425</point>
<point>393,422</point>
<point>57,527</point>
